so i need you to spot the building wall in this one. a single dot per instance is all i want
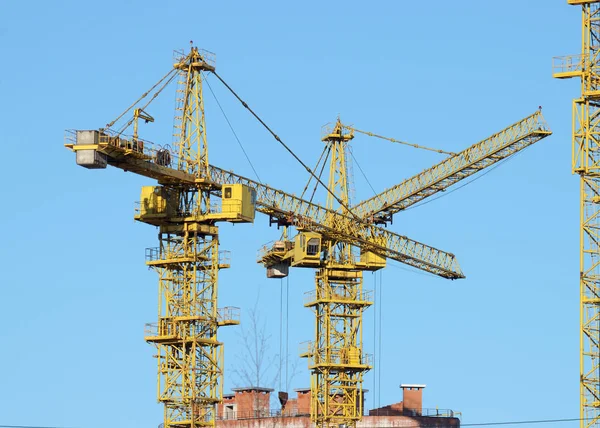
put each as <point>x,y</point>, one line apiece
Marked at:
<point>367,422</point>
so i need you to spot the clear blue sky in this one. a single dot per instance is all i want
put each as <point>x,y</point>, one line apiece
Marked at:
<point>499,345</point>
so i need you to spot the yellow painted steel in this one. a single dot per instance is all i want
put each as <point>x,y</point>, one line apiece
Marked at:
<point>522,134</point>
<point>190,357</point>
<point>287,209</point>
<point>239,200</point>
<point>586,163</point>
<point>336,358</point>
<point>188,259</point>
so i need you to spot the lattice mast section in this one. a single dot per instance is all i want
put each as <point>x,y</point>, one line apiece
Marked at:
<point>190,357</point>
<point>586,163</point>
<point>336,360</point>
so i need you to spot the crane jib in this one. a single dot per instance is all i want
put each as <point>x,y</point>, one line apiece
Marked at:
<point>380,208</point>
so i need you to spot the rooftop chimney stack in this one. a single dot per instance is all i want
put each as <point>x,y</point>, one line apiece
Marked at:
<point>412,397</point>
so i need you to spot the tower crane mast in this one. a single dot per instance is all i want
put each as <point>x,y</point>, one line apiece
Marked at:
<point>586,163</point>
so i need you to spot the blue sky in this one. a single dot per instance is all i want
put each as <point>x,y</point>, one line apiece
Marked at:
<point>499,345</point>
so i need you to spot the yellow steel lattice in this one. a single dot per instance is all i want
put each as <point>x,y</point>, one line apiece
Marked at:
<point>586,163</point>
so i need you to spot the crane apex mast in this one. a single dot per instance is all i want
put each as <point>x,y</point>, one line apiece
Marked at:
<point>199,59</point>
<point>189,130</point>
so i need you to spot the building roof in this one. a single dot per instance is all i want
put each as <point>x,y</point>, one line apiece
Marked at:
<point>252,388</point>
<point>412,385</point>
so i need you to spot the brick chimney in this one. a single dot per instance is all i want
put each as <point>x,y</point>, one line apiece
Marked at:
<point>412,397</point>
<point>252,402</point>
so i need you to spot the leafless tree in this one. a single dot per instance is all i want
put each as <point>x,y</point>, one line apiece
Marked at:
<point>255,360</point>
<point>257,365</point>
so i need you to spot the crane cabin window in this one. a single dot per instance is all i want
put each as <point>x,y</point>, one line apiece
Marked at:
<point>312,248</point>
<point>227,193</point>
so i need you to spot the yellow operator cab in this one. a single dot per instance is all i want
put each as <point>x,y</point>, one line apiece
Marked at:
<point>239,201</point>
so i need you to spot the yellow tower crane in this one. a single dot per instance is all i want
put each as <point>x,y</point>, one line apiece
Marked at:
<point>586,163</point>
<point>336,357</point>
<point>188,258</point>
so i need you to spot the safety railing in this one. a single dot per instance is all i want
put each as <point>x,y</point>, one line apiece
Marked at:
<point>274,247</point>
<point>329,127</point>
<point>338,295</point>
<point>261,413</point>
<point>70,136</point>
<point>225,257</point>
<point>431,413</point>
<point>153,254</point>
<point>164,328</point>
<point>155,153</point>
<point>228,314</point>
<point>340,356</point>
<point>305,348</point>
<point>120,141</point>
<point>291,412</point>
<point>567,64</point>
<point>151,329</point>
<point>157,253</point>
<point>209,57</point>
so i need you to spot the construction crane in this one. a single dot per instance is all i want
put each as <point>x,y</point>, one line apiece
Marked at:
<point>188,258</point>
<point>586,163</point>
<point>335,357</point>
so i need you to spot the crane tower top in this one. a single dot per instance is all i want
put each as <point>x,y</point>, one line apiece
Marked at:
<point>197,59</point>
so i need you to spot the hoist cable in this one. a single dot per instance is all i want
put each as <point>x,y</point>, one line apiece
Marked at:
<point>287,330</point>
<point>290,151</point>
<point>316,167</point>
<point>362,172</point>
<point>123,128</point>
<point>232,130</point>
<point>144,95</point>
<point>280,329</point>
<point>320,175</point>
<point>380,334</point>
<point>393,140</point>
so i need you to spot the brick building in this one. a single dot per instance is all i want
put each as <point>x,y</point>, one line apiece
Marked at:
<point>249,408</point>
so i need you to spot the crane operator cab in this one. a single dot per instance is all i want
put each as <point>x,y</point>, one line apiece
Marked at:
<point>307,249</point>
<point>239,201</point>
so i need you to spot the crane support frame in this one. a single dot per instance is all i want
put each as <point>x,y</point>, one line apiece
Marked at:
<point>586,163</point>
<point>190,358</point>
<point>336,358</point>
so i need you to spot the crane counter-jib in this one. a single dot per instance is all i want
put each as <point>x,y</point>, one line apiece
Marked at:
<point>144,160</point>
